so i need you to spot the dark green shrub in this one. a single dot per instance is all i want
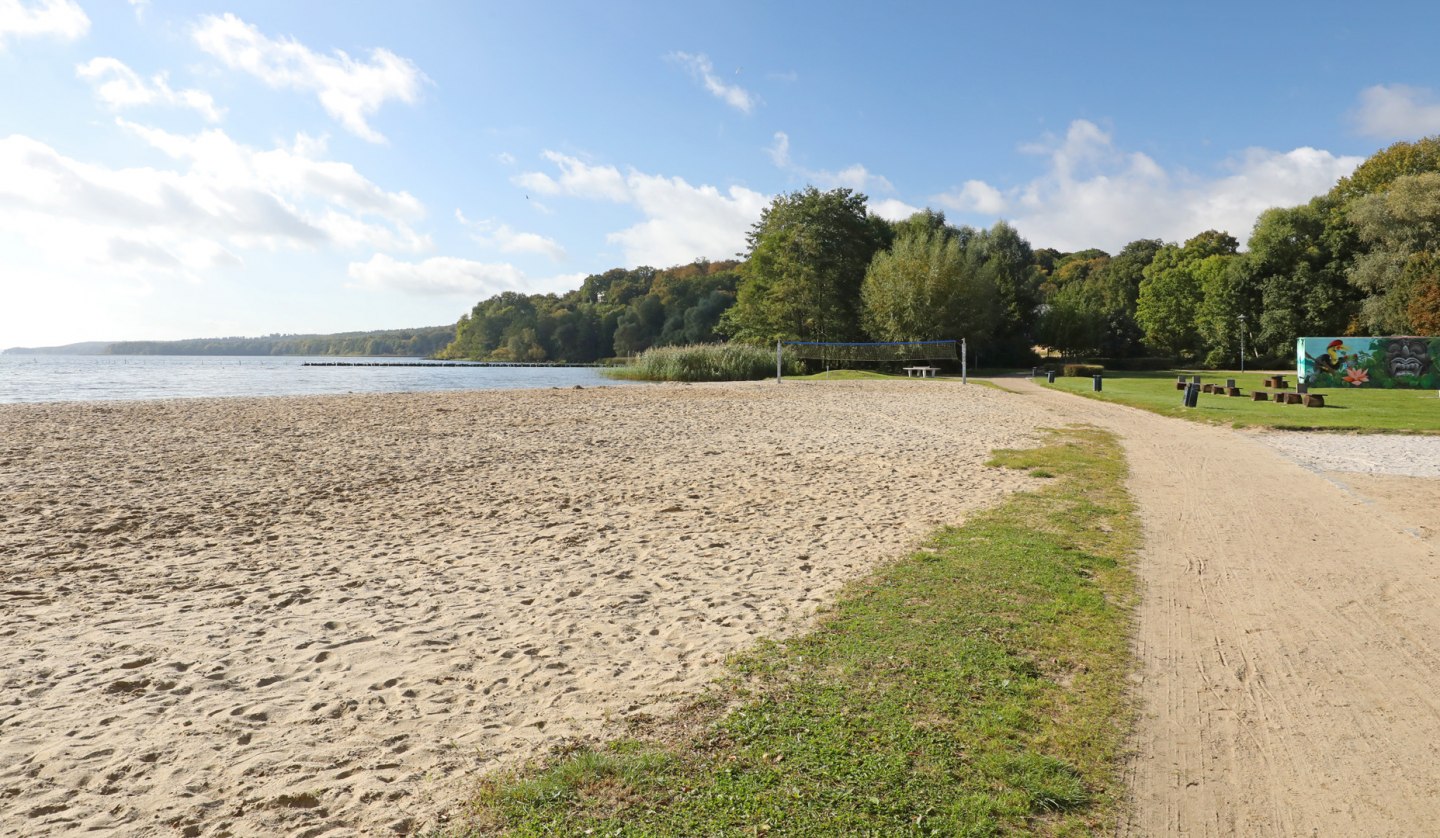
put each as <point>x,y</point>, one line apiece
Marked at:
<point>1133,363</point>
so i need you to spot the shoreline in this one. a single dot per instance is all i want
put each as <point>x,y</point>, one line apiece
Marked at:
<point>292,611</point>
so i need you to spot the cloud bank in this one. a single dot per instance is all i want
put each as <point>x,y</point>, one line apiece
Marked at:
<point>1094,194</point>
<point>221,199</point>
<point>1397,112</point>
<point>681,222</point>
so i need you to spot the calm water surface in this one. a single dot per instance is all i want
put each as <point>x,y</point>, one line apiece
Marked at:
<point>61,378</point>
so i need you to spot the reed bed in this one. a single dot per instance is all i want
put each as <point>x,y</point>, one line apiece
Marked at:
<point>704,362</point>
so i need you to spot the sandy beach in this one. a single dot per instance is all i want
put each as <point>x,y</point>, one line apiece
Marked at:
<point>322,615</point>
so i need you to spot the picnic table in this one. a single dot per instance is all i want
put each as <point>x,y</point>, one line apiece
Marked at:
<point>924,372</point>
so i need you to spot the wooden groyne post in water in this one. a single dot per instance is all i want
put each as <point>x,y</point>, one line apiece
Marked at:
<point>441,364</point>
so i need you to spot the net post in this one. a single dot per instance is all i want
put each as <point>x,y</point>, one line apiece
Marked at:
<point>777,362</point>
<point>964,377</point>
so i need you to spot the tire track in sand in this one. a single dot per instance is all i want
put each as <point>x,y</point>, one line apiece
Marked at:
<point>1288,640</point>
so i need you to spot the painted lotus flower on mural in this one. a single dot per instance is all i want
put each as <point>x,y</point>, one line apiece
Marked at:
<point>1356,377</point>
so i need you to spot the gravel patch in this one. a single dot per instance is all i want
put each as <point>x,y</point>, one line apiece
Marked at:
<point>1407,456</point>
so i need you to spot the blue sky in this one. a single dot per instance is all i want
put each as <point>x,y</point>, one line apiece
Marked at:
<point>172,170</point>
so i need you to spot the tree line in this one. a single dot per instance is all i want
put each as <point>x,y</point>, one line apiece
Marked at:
<point>1364,258</point>
<point>618,313</point>
<point>410,343</point>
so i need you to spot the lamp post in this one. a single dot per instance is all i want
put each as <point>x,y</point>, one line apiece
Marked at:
<point>1242,343</point>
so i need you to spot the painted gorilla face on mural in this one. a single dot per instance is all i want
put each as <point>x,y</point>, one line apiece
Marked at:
<point>1407,356</point>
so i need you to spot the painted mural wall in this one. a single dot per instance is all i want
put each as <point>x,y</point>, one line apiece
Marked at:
<point>1388,362</point>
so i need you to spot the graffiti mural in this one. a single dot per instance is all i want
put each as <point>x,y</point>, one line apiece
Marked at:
<point>1388,362</point>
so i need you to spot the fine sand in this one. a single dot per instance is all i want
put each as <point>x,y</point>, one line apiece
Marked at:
<point>314,616</point>
<point>1288,636</point>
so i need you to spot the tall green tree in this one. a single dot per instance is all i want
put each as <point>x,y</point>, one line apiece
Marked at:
<point>1225,282</point>
<point>1117,284</point>
<point>1009,265</point>
<point>1072,318</point>
<point>1296,277</point>
<point>805,263</point>
<point>1171,292</point>
<point>926,287</point>
<point>1398,273</point>
<point>1387,165</point>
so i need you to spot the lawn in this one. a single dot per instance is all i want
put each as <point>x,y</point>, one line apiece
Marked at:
<point>867,375</point>
<point>1353,410</point>
<point>975,688</point>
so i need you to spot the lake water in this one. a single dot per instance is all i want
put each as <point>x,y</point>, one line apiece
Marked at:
<point>60,378</point>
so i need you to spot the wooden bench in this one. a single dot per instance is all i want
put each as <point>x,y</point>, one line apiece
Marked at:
<point>1286,397</point>
<point>1226,389</point>
<point>1277,382</point>
<point>924,372</point>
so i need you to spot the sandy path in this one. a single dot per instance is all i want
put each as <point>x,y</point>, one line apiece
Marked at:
<point>1289,635</point>
<point>317,616</point>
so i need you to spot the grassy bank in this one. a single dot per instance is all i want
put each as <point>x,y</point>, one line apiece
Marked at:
<point>973,688</point>
<point>1354,409</point>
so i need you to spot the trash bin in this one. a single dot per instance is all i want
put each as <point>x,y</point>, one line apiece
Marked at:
<point>1049,376</point>
<point>1192,394</point>
<point>1097,383</point>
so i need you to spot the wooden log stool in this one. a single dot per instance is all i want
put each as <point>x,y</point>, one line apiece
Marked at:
<point>1180,382</point>
<point>1290,398</point>
<point>1313,400</point>
<point>1207,388</point>
<point>1232,391</point>
<point>1259,396</point>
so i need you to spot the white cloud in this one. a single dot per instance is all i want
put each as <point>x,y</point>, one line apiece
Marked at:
<point>119,87</point>
<point>682,222</point>
<point>63,19</point>
<point>220,200</point>
<point>891,209</point>
<point>780,151</point>
<point>855,177</point>
<point>1397,111</point>
<point>685,222</point>
<point>508,240</point>
<point>140,6</point>
<point>437,276</point>
<point>577,178</point>
<point>1096,195</point>
<point>348,89</point>
<point>733,95</point>
<point>974,196</point>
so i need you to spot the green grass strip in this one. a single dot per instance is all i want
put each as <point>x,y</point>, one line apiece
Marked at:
<point>974,688</point>
<point>1353,410</point>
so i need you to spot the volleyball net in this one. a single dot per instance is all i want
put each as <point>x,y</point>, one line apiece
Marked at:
<point>832,354</point>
